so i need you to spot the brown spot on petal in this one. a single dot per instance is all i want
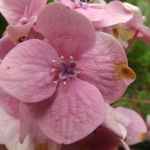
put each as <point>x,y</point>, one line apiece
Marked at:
<point>68,7</point>
<point>41,147</point>
<point>7,68</point>
<point>115,33</point>
<point>21,39</point>
<point>142,136</point>
<point>123,71</point>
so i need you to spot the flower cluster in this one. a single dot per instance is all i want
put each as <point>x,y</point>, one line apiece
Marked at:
<point>62,65</point>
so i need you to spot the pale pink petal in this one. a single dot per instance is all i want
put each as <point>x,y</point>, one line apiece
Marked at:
<point>124,145</point>
<point>74,34</point>
<point>91,13</point>
<point>144,34</point>
<point>74,113</point>
<point>116,12</point>
<point>27,116</point>
<point>8,103</point>
<point>13,10</point>
<point>27,69</point>
<point>137,16</point>
<point>106,67</point>
<point>112,124</point>
<point>5,121</point>
<point>137,129</point>
<point>36,6</point>
<point>19,33</point>
<point>68,3</point>
<point>5,46</point>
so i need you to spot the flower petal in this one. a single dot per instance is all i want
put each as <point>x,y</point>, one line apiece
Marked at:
<point>116,12</point>
<point>137,129</point>
<point>5,46</point>
<point>74,113</point>
<point>27,116</point>
<point>27,70</point>
<point>112,124</point>
<point>8,103</point>
<point>106,67</point>
<point>74,33</point>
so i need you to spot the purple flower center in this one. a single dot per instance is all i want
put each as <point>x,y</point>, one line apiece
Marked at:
<point>67,70</point>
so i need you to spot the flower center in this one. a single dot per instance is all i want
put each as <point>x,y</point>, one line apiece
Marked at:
<point>66,70</point>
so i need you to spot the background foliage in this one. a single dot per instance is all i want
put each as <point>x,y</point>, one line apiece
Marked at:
<point>137,95</point>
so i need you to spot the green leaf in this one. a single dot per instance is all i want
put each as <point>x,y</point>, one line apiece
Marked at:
<point>142,77</point>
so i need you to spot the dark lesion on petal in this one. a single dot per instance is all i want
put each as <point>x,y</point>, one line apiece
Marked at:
<point>41,147</point>
<point>21,39</point>
<point>123,71</point>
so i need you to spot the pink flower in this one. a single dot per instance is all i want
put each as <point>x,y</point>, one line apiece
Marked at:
<point>74,75</point>
<point>21,15</point>
<point>136,23</point>
<point>35,139</point>
<point>136,129</point>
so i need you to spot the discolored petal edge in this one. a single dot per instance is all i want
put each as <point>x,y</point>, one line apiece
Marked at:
<point>137,129</point>
<point>68,28</point>
<point>27,70</point>
<point>105,66</point>
<point>66,119</point>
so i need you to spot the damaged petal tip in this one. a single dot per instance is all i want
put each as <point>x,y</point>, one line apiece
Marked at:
<point>142,136</point>
<point>41,147</point>
<point>123,71</point>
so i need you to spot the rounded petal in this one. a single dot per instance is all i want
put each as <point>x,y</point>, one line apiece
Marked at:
<point>136,130</point>
<point>116,12</point>
<point>27,70</point>
<point>74,113</point>
<point>27,116</point>
<point>74,33</point>
<point>106,67</point>
<point>18,33</point>
<point>112,124</point>
<point>5,46</point>
<point>8,103</point>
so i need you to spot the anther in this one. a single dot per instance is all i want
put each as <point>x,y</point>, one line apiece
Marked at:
<point>53,70</point>
<point>64,82</point>
<point>62,57</point>
<point>71,57</point>
<point>82,69</point>
<point>78,72</point>
<point>53,61</point>
<point>55,82</point>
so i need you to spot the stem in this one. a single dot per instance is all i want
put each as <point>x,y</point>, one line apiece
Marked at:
<point>131,41</point>
<point>134,100</point>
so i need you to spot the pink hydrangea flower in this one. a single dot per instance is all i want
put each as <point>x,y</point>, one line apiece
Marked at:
<point>21,15</point>
<point>136,129</point>
<point>35,139</point>
<point>136,23</point>
<point>65,74</point>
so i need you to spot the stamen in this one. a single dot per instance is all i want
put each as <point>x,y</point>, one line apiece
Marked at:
<point>53,70</point>
<point>55,82</point>
<point>71,57</point>
<point>65,82</point>
<point>78,72</point>
<point>82,69</point>
<point>62,57</point>
<point>53,61</point>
